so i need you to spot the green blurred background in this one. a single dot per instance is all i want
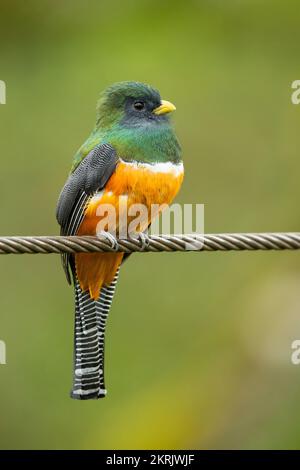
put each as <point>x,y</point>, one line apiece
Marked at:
<point>198,345</point>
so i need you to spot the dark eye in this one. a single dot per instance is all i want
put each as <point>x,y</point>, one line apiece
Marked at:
<point>139,105</point>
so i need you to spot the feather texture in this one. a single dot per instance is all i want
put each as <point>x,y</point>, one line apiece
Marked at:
<point>90,324</point>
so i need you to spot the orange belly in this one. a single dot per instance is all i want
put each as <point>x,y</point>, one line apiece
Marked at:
<point>129,184</point>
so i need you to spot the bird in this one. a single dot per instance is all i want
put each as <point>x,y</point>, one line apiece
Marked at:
<point>131,155</point>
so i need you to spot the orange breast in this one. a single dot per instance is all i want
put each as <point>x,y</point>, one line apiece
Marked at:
<point>130,184</point>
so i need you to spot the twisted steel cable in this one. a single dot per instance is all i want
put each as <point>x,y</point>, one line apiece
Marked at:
<point>153,243</point>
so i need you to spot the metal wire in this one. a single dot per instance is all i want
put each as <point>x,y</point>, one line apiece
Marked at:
<point>153,243</point>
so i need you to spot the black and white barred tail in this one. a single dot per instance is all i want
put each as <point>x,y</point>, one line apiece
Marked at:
<point>90,322</point>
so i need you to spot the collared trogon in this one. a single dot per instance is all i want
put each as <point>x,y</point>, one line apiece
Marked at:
<point>131,154</point>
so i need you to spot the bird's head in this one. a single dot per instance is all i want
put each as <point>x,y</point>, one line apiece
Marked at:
<point>132,104</point>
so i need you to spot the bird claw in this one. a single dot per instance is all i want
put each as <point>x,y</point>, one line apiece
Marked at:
<point>144,239</point>
<point>113,241</point>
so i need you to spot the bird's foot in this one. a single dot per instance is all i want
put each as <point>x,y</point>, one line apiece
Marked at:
<point>144,239</point>
<point>113,241</point>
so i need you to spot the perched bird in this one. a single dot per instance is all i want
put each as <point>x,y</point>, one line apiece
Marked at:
<point>132,154</point>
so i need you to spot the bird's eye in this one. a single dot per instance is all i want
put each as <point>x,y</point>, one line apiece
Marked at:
<point>139,105</point>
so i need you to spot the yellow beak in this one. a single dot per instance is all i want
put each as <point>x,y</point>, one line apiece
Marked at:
<point>164,108</point>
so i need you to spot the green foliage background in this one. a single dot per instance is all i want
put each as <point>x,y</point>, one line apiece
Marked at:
<point>198,345</point>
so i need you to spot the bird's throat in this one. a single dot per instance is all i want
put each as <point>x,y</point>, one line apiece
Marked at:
<point>147,144</point>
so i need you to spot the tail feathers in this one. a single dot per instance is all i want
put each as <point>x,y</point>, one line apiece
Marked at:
<point>90,322</point>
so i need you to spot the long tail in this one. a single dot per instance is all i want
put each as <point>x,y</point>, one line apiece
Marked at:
<point>90,322</point>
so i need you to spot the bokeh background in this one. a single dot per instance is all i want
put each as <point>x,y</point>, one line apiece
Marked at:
<point>198,345</point>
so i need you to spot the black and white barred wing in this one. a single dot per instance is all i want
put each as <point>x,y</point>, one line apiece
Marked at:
<point>90,176</point>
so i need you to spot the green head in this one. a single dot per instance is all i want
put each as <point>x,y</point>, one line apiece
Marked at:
<point>132,104</point>
<point>132,117</point>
